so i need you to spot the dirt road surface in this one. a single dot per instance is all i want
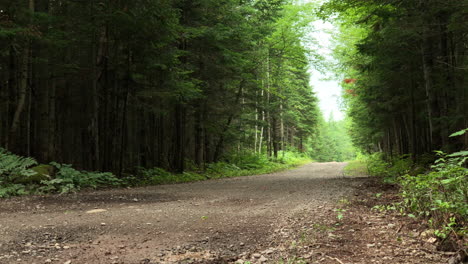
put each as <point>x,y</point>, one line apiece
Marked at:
<point>216,221</point>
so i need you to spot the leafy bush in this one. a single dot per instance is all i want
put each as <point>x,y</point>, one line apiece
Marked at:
<point>248,160</point>
<point>389,170</point>
<point>292,157</point>
<point>223,169</point>
<point>355,168</point>
<point>13,166</point>
<point>7,190</point>
<point>67,179</point>
<point>442,194</point>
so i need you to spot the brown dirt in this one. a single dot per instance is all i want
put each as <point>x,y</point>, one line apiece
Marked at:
<point>264,218</point>
<point>365,234</point>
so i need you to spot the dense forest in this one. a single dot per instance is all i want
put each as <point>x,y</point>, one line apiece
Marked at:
<point>100,93</point>
<point>404,65</point>
<point>111,85</point>
<point>332,142</point>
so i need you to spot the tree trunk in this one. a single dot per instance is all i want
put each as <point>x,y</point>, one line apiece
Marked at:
<point>220,143</point>
<point>427,62</point>
<point>22,89</point>
<point>179,139</point>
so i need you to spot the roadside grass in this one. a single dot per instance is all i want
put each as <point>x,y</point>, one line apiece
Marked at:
<point>356,168</point>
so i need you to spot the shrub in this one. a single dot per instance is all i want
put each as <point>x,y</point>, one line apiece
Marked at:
<point>389,170</point>
<point>68,179</point>
<point>20,175</point>
<point>248,160</point>
<point>442,194</point>
<point>14,167</point>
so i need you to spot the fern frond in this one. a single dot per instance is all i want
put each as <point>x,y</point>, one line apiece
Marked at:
<point>11,164</point>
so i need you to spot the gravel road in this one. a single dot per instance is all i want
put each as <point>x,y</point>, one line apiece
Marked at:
<point>214,221</point>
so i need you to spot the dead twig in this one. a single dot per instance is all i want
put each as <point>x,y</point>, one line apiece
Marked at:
<point>332,258</point>
<point>399,229</point>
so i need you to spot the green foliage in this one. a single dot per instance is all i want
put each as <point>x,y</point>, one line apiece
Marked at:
<point>391,92</point>
<point>155,176</point>
<point>68,179</point>
<point>19,177</point>
<point>339,213</point>
<point>211,74</point>
<point>292,157</point>
<point>441,194</point>
<point>332,142</point>
<point>8,190</point>
<point>235,165</point>
<point>248,160</point>
<point>356,168</point>
<point>13,166</point>
<point>377,165</point>
<point>249,163</point>
<point>459,133</point>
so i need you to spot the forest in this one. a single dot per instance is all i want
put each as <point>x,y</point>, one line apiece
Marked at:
<point>112,85</point>
<point>404,65</point>
<point>123,93</point>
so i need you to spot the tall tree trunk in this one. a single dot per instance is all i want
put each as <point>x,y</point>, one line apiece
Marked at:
<point>179,139</point>
<point>52,118</point>
<point>220,144</point>
<point>275,127</point>
<point>199,137</point>
<point>427,63</point>
<point>22,89</point>
<point>256,121</point>
<point>9,96</point>
<point>282,141</point>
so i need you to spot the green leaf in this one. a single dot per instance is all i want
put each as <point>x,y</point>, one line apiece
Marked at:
<point>459,133</point>
<point>459,154</point>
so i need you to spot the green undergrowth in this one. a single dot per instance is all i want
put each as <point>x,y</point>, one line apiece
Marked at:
<point>234,165</point>
<point>23,175</point>
<point>356,168</point>
<point>441,195</point>
<point>436,192</point>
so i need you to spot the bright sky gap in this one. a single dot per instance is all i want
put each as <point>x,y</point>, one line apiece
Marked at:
<point>328,90</point>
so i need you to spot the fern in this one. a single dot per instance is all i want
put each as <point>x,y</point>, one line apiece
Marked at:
<point>12,190</point>
<point>68,180</point>
<point>11,165</point>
